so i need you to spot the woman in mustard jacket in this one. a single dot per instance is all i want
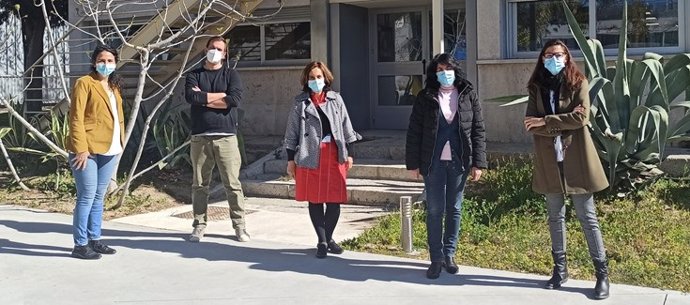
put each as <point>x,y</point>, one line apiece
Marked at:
<point>96,138</point>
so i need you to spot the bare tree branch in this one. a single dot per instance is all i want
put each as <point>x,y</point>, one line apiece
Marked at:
<point>12,169</point>
<point>32,129</point>
<point>144,133</point>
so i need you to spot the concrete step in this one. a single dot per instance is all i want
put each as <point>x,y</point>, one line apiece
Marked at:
<point>360,191</point>
<point>374,169</point>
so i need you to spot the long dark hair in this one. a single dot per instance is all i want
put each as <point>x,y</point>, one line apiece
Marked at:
<point>431,82</point>
<point>115,81</point>
<point>571,74</point>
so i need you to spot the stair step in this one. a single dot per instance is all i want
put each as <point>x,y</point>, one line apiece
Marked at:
<point>374,169</point>
<point>360,191</point>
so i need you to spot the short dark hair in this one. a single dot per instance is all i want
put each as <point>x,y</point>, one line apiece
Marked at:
<point>216,38</point>
<point>448,60</point>
<point>327,75</point>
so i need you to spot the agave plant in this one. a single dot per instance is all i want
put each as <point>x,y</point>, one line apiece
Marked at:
<point>630,105</point>
<point>170,131</point>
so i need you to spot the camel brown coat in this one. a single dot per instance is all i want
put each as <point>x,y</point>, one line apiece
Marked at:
<point>582,169</point>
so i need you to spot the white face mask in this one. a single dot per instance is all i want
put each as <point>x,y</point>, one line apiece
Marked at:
<point>214,56</point>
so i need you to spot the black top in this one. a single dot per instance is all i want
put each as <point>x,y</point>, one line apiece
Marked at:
<point>210,120</point>
<point>551,83</point>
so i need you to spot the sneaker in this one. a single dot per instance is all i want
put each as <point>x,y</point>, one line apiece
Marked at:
<point>242,235</point>
<point>321,250</point>
<point>334,248</point>
<point>197,234</point>
<point>85,252</point>
<point>101,248</point>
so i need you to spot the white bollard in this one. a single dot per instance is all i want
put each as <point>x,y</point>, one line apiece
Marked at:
<point>406,223</point>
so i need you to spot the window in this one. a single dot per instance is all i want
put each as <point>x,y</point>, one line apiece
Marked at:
<point>454,33</point>
<point>270,44</point>
<point>653,25</point>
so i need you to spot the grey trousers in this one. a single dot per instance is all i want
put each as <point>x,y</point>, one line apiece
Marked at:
<point>206,153</point>
<point>586,214</point>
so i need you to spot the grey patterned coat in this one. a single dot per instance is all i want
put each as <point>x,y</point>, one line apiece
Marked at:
<point>303,132</point>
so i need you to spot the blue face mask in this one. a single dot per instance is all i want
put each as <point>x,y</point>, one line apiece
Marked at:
<point>316,85</point>
<point>554,65</point>
<point>105,69</point>
<point>446,77</point>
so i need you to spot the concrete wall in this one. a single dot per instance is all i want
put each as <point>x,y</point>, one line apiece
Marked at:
<point>497,77</point>
<point>503,78</point>
<point>268,98</point>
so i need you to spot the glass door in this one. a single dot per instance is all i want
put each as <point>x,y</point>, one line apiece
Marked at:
<point>400,42</point>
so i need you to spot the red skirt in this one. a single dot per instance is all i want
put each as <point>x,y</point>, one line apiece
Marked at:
<point>327,182</point>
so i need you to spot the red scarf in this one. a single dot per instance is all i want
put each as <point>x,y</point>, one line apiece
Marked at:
<point>318,98</point>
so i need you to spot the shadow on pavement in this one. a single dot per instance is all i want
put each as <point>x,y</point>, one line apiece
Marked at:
<point>300,260</point>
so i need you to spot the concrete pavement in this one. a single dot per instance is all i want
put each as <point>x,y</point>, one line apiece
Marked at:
<point>156,266</point>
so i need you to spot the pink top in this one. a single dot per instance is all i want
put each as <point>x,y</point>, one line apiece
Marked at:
<point>448,100</point>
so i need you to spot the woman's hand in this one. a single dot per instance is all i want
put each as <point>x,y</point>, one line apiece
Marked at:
<point>579,109</point>
<point>475,173</point>
<point>414,173</point>
<point>79,161</point>
<point>291,169</point>
<point>532,122</point>
<point>349,163</point>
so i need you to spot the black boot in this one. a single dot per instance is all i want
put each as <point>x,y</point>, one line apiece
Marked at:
<point>434,270</point>
<point>451,266</point>
<point>601,289</point>
<point>560,271</point>
<point>321,250</point>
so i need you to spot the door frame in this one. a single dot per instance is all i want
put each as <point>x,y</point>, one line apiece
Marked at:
<point>396,117</point>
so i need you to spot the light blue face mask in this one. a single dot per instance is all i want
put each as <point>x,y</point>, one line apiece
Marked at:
<point>446,77</point>
<point>105,69</point>
<point>554,64</point>
<point>316,85</point>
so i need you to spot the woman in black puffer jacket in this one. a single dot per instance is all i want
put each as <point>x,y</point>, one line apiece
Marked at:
<point>445,144</point>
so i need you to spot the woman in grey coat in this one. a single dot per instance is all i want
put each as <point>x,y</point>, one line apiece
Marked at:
<point>317,140</point>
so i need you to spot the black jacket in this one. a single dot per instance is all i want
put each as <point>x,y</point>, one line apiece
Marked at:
<point>210,120</point>
<point>421,133</point>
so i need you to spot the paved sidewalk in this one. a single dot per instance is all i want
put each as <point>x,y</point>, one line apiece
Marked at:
<point>155,266</point>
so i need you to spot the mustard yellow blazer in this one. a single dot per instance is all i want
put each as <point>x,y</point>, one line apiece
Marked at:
<point>90,118</point>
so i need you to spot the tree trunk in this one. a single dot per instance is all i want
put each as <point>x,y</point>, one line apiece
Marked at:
<point>32,31</point>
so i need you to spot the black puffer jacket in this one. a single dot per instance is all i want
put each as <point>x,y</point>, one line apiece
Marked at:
<point>421,134</point>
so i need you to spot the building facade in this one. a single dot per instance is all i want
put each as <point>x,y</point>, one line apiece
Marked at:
<point>378,49</point>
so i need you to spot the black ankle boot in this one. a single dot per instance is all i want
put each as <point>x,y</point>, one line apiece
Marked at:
<point>334,248</point>
<point>451,266</point>
<point>321,250</point>
<point>560,271</point>
<point>101,248</point>
<point>434,270</point>
<point>601,289</point>
<point>85,252</point>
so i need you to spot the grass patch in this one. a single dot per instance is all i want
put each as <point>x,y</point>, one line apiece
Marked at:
<point>504,227</point>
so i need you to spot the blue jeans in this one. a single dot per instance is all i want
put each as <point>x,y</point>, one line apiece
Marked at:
<point>92,183</point>
<point>444,186</point>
